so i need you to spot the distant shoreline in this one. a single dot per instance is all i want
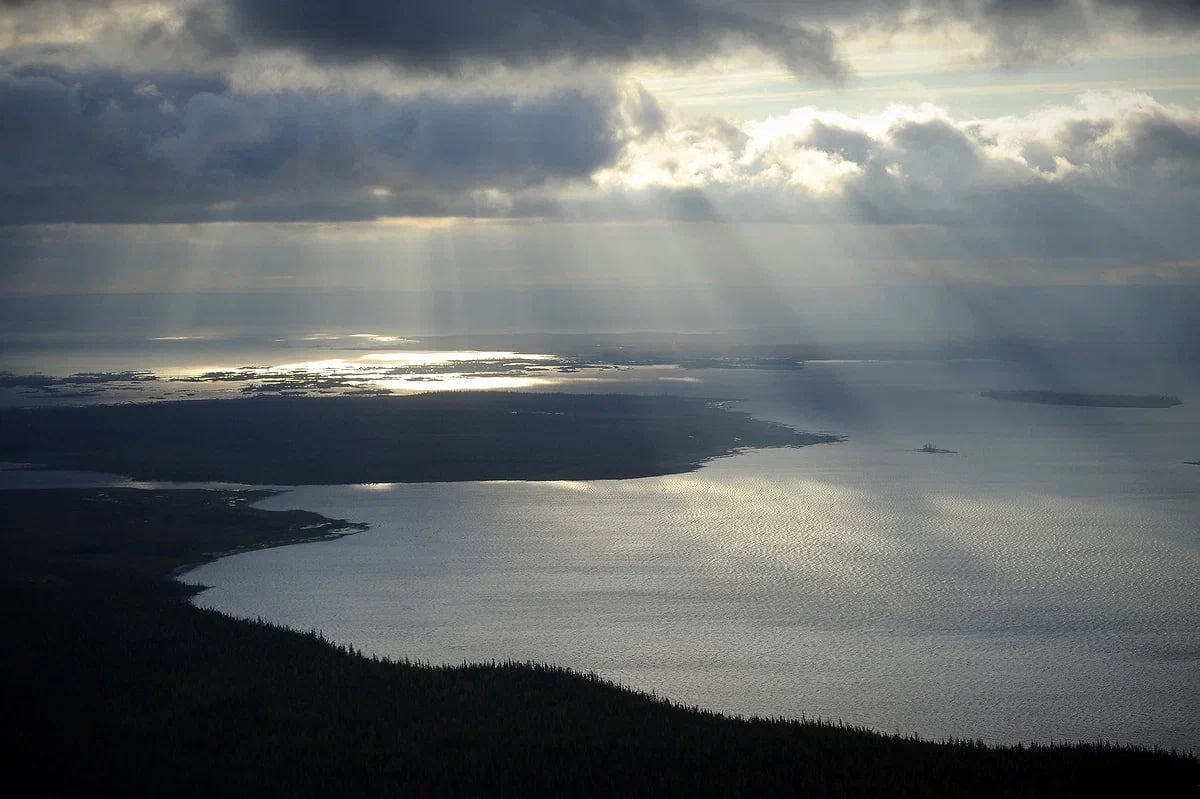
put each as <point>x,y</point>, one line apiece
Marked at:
<point>447,437</point>
<point>1086,400</point>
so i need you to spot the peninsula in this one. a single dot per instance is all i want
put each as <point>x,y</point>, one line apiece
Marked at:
<point>417,438</point>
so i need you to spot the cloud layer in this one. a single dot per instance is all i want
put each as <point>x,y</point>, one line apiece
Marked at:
<point>132,111</point>
<point>473,35</point>
<point>1114,175</point>
<point>439,35</point>
<point>97,147</point>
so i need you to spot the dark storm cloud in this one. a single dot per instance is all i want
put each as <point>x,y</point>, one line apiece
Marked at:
<point>463,36</point>
<point>441,36</point>
<point>104,147</point>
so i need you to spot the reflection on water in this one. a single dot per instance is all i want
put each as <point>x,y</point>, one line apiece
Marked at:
<point>412,358</point>
<point>304,372</point>
<point>1042,583</point>
<point>462,382</point>
<point>352,338</point>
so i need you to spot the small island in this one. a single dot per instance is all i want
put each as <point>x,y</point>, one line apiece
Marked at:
<point>419,438</point>
<point>1086,400</point>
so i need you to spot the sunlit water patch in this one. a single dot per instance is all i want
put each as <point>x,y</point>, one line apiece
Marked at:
<point>335,367</point>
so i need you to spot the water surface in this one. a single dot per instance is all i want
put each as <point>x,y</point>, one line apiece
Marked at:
<point>1042,583</point>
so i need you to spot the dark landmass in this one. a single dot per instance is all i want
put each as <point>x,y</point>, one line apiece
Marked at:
<point>117,685</point>
<point>1192,463</point>
<point>1086,400</point>
<point>134,533</point>
<point>47,383</point>
<point>419,438</point>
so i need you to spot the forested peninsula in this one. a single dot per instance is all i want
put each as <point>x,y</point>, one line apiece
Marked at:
<point>306,440</point>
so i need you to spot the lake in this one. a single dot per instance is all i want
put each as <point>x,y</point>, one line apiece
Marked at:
<point>1041,583</point>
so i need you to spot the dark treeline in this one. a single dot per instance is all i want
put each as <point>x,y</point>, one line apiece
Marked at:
<point>114,684</point>
<point>457,436</point>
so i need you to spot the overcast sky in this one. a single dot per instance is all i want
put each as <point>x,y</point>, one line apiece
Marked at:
<point>228,144</point>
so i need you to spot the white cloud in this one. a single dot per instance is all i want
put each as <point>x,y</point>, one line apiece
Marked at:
<point>917,165</point>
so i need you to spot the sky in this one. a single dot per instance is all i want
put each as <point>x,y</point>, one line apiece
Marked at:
<point>623,145</point>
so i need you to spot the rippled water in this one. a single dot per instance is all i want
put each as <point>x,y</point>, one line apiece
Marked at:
<point>1042,583</point>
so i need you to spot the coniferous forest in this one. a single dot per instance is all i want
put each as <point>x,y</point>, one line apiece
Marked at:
<point>115,684</point>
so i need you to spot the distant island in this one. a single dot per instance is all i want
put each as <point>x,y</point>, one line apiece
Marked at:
<point>1086,400</point>
<point>113,680</point>
<point>417,438</point>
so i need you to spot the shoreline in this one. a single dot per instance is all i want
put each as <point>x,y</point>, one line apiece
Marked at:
<point>338,528</point>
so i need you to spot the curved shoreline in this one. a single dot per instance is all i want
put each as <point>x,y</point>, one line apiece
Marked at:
<point>333,530</point>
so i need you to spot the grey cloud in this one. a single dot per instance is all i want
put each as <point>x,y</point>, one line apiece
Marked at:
<point>440,36</point>
<point>1163,142</point>
<point>931,172</point>
<point>1148,145</point>
<point>936,150</point>
<point>1031,31</point>
<point>1109,183</point>
<point>850,145</point>
<point>207,29</point>
<point>1158,14</point>
<point>466,36</point>
<point>103,147</point>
